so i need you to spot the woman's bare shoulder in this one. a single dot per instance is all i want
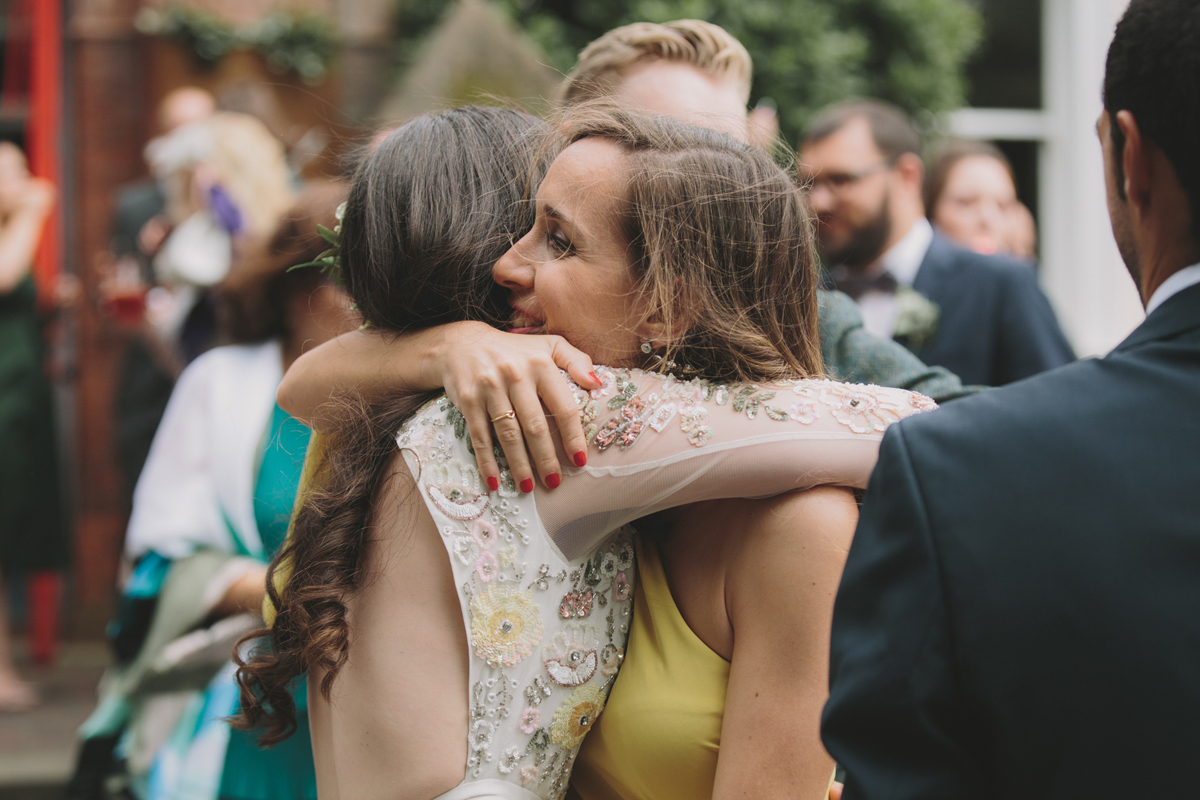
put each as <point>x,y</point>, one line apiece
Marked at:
<point>791,543</point>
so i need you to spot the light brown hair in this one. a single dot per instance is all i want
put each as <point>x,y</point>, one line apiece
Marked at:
<point>721,244</point>
<point>603,63</point>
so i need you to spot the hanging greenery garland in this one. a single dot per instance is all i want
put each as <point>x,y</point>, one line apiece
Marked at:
<point>302,43</point>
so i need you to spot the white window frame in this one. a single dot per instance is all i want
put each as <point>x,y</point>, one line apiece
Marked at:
<point>1082,271</point>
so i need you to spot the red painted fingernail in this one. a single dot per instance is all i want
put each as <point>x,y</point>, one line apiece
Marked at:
<point>527,485</point>
<point>580,458</point>
<point>493,482</point>
<point>552,480</point>
<point>592,375</point>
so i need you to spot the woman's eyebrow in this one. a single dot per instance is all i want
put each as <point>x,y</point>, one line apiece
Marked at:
<point>564,219</point>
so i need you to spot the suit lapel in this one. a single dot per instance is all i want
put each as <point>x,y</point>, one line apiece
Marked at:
<point>1177,315</point>
<point>931,275</point>
<point>931,280</point>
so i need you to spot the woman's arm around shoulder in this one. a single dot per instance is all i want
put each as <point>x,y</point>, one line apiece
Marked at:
<point>490,376</point>
<point>779,592</point>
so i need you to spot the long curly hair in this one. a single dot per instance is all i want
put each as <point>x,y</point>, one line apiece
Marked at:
<point>430,210</point>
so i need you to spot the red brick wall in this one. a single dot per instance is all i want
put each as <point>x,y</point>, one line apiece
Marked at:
<point>108,113</point>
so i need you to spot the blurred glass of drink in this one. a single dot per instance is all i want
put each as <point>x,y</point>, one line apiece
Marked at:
<point>123,292</point>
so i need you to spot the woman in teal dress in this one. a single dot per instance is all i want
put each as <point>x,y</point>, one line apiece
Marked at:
<point>210,508</point>
<point>32,534</point>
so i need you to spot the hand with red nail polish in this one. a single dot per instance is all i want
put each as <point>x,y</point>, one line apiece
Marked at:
<point>552,480</point>
<point>527,485</point>
<point>580,458</point>
<point>493,482</point>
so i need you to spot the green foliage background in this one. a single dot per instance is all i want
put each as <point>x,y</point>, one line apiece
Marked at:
<point>807,53</point>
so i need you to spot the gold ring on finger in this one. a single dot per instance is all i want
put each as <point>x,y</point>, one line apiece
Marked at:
<point>510,414</point>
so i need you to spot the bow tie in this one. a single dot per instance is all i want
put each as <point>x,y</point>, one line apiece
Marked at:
<point>856,285</point>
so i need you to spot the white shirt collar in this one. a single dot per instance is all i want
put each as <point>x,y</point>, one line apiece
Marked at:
<point>904,258</point>
<point>1188,276</point>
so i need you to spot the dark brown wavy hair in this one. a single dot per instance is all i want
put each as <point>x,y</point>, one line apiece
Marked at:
<point>721,240</point>
<point>430,210</point>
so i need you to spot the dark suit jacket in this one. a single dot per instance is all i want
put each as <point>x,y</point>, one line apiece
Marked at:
<point>1020,612</point>
<point>996,326</point>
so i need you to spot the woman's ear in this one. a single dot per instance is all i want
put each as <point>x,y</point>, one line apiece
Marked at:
<point>662,331</point>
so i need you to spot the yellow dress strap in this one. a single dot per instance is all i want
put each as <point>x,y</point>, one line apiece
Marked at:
<point>310,477</point>
<point>660,733</point>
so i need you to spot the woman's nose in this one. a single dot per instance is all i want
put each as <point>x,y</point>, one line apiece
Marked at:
<point>514,270</point>
<point>992,216</point>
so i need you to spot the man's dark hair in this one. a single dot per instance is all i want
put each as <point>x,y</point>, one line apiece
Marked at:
<point>891,128</point>
<point>1153,71</point>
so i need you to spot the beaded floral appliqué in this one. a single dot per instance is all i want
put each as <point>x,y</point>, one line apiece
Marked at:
<point>861,408</point>
<point>546,637</point>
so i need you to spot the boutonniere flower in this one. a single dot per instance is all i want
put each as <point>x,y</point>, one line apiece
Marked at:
<point>917,318</point>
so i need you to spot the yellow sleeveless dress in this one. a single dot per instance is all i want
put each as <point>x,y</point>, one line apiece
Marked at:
<point>659,735</point>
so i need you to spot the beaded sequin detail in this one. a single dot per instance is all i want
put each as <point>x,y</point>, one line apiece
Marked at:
<point>546,636</point>
<point>860,408</point>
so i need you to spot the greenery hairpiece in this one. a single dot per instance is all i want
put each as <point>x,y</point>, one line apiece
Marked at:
<point>329,262</point>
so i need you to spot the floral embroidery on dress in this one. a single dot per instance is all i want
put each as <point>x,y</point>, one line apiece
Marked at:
<point>572,657</point>
<point>574,718</point>
<point>531,718</point>
<point>505,625</point>
<point>458,501</point>
<point>804,410</point>
<point>486,567</point>
<point>539,632</point>
<point>921,402</point>
<point>547,631</point>
<point>613,656</point>
<point>860,409</point>
<point>621,587</point>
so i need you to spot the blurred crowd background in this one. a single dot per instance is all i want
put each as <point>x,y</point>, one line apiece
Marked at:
<point>153,140</point>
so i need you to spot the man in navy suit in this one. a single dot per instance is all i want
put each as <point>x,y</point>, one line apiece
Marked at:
<point>981,317</point>
<point>1020,610</point>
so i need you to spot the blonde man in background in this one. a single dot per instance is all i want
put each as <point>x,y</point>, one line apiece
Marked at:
<point>687,69</point>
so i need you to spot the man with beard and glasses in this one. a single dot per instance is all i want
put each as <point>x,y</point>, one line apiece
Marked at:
<point>982,317</point>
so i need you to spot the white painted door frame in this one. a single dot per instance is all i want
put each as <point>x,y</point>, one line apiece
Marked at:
<point>1082,271</point>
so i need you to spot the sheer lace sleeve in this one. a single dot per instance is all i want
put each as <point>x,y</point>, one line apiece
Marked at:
<point>656,442</point>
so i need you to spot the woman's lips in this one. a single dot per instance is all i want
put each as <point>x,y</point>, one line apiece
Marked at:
<point>522,322</point>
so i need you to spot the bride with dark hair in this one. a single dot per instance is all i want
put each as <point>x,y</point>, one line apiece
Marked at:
<point>435,594</point>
